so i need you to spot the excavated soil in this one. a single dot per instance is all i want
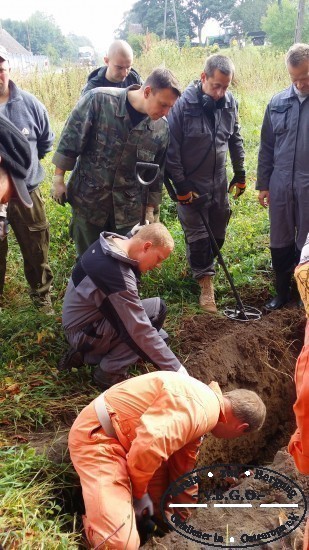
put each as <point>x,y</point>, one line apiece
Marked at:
<point>259,356</point>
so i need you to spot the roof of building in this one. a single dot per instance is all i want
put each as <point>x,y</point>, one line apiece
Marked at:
<point>10,44</point>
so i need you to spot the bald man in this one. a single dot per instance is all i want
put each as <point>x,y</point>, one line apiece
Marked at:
<point>117,72</point>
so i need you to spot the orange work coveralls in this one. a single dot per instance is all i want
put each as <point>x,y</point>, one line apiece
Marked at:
<point>299,443</point>
<point>159,419</point>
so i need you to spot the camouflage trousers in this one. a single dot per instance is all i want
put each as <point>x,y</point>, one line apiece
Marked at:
<point>85,233</point>
<point>32,233</point>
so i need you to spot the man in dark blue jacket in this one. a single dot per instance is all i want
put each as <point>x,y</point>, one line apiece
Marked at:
<point>283,172</point>
<point>30,226</point>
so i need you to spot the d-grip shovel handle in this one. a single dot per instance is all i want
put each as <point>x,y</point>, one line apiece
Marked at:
<point>146,166</point>
<point>145,184</point>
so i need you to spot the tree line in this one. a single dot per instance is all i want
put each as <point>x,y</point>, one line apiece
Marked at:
<point>41,35</point>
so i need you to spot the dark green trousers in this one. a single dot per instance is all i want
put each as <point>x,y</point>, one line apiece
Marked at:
<point>32,233</point>
<point>85,233</point>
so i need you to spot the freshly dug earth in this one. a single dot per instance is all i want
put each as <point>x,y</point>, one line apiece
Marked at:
<point>259,356</point>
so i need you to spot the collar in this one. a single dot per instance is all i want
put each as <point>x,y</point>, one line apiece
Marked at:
<point>214,386</point>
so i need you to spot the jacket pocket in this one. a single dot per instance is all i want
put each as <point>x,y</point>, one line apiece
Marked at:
<point>194,123</point>
<point>280,115</point>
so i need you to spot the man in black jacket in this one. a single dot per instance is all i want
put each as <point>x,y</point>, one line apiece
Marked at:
<point>204,127</point>
<point>117,72</point>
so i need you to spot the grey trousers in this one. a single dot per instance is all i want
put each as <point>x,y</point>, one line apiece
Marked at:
<point>199,251</point>
<point>104,346</point>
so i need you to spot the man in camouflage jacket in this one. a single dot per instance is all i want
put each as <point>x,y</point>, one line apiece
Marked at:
<point>107,132</point>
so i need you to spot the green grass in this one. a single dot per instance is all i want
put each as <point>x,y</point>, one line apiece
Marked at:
<point>34,490</point>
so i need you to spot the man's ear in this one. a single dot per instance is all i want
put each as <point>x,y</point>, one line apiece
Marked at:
<point>203,76</point>
<point>242,428</point>
<point>147,91</point>
<point>106,60</point>
<point>147,245</point>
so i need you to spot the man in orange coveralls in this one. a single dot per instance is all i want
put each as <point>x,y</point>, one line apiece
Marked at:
<point>131,442</point>
<point>299,442</point>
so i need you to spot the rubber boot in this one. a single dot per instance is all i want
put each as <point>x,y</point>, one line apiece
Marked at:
<point>207,296</point>
<point>283,283</point>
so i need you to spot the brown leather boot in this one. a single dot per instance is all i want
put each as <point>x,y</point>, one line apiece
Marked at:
<point>207,297</point>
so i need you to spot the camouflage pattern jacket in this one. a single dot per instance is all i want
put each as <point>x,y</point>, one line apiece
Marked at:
<point>101,146</point>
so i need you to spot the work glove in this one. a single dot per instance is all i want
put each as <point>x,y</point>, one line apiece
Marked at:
<point>238,181</point>
<point>150,214</point>
<point>59,191</point>
<point>183,371</point>
<point>137,227</point>
<point>4,228</point>
<point>143,507</point>
<point>187,198</point>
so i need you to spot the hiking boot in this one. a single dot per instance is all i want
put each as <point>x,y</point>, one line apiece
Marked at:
<point>43,303</point>
<point>104,380</point>
<point>207,297</point>
<point>72,359</point>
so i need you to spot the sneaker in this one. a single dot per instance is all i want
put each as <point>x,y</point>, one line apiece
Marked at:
<point>72,359</point>
<point>43,303</point>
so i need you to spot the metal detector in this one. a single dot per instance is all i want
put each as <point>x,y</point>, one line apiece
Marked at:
<point>240,312</point>
<point>145,184</point>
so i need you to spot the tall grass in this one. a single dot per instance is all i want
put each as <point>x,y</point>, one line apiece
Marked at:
<point>32,393</point>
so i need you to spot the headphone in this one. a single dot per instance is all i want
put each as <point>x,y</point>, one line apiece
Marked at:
<point>208,103</point>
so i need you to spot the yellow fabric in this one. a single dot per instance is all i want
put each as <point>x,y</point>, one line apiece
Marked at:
<point>302,279</point>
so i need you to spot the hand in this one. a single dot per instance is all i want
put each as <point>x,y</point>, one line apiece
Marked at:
<point>4,228</point>
<point>149,214</point>
<point>137,227</point>
<point>143,506</point>
<point>264,198</point>
<point>238,181</point>
<point>59,190</point>
<point>187,198</point>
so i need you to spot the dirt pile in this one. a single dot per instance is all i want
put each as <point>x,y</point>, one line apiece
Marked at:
<point>258,356</point>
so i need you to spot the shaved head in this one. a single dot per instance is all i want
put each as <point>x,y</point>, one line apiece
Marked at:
<point>120,47</point>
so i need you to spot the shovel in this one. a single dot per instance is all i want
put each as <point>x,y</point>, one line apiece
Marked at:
<point>240,312</point>
<point>143,166</point>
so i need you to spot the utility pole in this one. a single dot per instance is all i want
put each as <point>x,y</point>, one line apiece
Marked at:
<point>164,24</point>
<point>175,21</point>
<point>300,21</point>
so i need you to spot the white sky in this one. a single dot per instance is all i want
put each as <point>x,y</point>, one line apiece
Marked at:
<point>96,19</point>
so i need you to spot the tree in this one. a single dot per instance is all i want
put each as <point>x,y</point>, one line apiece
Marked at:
<point>200,11</point>
<point>247,14</point>
<point>150,15</point>
<point>279,24</point>
<point>40,35</point>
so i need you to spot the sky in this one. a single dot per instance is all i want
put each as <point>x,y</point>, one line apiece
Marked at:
<point>96,19</point>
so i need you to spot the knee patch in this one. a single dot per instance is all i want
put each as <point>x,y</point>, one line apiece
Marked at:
<point>201,254</point>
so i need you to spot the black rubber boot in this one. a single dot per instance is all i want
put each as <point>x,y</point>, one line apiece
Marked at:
<point>283,283</point>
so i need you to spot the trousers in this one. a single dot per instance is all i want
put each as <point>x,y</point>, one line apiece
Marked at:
<point>32,233</point>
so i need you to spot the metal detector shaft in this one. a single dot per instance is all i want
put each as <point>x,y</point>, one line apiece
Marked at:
<point>145,184</point>
<point>171,191</point>
<point>222,263</point>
